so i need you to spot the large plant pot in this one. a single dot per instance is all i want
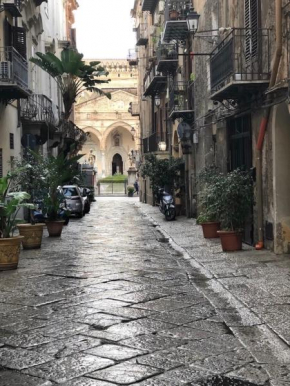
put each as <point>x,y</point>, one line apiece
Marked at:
<point>130,194</point>
<point>54,228</point>
<point>231,241</point>
<point>210,229</point>
<point>32,235</point>
<point>9,253</point>
<point>173,15</point>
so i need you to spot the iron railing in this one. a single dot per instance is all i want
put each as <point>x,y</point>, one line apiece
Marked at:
<point>13,68</point>
<point>149,5</point>
<point>181,97</point>
<point>177,9</point>
<point>154,82</point>
<point>167,57</point>
<point>243,56</point>
<point>39,108</point>
<point>70,131</point>
<point>150,144</point>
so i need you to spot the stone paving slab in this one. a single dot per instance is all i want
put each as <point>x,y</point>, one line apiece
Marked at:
<point>117,302</point>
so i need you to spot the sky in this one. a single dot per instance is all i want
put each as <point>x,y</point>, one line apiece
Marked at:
<point>104,28</point>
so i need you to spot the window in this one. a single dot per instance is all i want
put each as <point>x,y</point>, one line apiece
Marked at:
<point>1,163</point>
<point>11,137</point>
<point>117,140</point>
<point>252,18</point>
<point>70,192</point>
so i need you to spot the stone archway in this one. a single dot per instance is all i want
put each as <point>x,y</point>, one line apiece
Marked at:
<point>117,164</point>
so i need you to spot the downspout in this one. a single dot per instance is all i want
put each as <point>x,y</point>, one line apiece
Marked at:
<point>264,124</point>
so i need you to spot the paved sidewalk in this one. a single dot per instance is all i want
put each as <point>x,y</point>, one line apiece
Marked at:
<point>250,290</point>
<point>116,302</point>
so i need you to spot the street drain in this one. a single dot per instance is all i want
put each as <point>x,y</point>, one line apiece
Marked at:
<point>219,380</point>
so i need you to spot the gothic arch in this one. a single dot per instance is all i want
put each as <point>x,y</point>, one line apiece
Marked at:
<point>94,132</point>
<point>109,129</point>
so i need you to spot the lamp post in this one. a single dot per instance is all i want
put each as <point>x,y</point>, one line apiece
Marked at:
<point>193,21</point>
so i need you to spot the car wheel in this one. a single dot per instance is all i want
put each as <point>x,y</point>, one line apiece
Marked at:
<point>80,215</point>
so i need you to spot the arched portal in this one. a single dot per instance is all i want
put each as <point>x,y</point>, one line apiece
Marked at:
<point>117,164</point>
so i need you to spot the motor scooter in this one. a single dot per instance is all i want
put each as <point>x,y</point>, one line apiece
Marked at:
<point>39,217</point>
<point>166,204</point>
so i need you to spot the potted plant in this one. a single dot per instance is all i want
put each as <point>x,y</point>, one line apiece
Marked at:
<point>235,201</point>
<point>173,12</point>
<point>28,177</point>
<point>9,207</point>
<point>57,171</point>
<point>130,190</point>
<point>209,209</point>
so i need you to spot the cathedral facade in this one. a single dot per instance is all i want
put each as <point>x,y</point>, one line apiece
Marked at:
<point>113,132</point>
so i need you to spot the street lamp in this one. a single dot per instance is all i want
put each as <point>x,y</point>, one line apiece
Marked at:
<point>157,101</point>
<point>192,21</point>
<point>184,134</point>
<point>162,146</point>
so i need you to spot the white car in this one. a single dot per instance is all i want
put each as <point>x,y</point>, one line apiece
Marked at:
<point>74,200</point>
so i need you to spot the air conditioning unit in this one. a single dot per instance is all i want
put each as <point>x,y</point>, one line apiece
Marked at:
<point>161,6</point>
<point>5,70</point>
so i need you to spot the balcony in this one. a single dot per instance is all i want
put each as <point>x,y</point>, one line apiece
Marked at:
<point>39,116</point>
<point>176,23</point>
<point>150,144</point>
<point>181,101</point>
<point>13,75</point>
<point>71,133</point>
<point>142,35</point>
<point>154,82</point>
<point>11,6</point>
<point>132,58</point>
<point>167,58</point>
<point>240,64</point>
<point>149,5</point>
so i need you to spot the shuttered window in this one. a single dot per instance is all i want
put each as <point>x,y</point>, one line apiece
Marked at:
<point>19,40</point>
<point>11,140</point>
<point>1,163</point>
<point>252,17</point>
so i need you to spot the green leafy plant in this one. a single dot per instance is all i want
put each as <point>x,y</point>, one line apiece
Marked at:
<point>235,199</point>
<point>130,189</point>
<point>56,171</point>
<point>209,185</point>
<point>163,173</point>
<point>72,75</point>
<point>10,206</point>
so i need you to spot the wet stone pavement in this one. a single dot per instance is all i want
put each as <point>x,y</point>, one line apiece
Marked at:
<point>113,303</point>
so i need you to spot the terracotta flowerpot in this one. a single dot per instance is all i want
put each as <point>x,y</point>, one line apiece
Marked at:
<point>54,228</point>
<point>231,241</point>
<point>210,229</point>
<point>130,194</point>
<point>9,253</point>
<point>32,235</point>
<point>173,15</point>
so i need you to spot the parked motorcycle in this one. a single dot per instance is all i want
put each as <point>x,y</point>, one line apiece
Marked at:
<point>166,204</point>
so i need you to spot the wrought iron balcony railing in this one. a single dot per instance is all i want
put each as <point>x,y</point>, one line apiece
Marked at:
<point>175,16</point>
<point>240,63</point>
<point>142,34</point>
<point>13,74</point>
<point>150,144</point>
<point>149,5</point>
<point>132,58</point>
<point>167,58</point>
<point>11,6</point>
<point>181,102</point>
<point>39,108</point>
<point>154,82</point>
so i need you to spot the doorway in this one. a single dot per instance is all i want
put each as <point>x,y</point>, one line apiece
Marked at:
<point>117,164</point>
<point>241,156</point>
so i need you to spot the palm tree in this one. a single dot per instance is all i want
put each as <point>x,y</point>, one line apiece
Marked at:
<point>72,75</point>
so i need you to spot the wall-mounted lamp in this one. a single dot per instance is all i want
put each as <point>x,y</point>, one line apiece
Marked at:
<point>162,146</point>
<point>157,101</point>
<point>193,21</point>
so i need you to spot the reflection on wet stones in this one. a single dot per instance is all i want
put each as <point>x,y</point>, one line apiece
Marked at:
<point>222,381</point>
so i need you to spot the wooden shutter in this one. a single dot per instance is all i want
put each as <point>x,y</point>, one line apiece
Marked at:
<point>1,163</point>
<point>7,33</point>
<point>19,40</point>
<point>252,28</point>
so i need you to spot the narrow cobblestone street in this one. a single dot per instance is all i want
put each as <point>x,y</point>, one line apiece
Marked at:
<point>113,303</point>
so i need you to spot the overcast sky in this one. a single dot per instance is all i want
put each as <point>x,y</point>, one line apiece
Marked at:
<point>104,28</point>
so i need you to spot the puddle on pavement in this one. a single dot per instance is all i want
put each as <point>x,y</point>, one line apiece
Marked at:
<point>223,381</point>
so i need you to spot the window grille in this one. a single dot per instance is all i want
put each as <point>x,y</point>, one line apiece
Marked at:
<point>252,15</point>
<point>1,163</point>
<point>11,141</point>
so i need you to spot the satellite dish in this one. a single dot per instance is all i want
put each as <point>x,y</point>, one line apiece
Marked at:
<point>29,141</point>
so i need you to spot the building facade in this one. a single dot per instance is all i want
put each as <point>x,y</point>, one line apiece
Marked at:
<point>112,124</point>
<point>30,102</point>
<point>227,79</point>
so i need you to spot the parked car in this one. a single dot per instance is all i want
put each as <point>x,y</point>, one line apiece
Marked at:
<point>74,200</point>
<point>85,194</point>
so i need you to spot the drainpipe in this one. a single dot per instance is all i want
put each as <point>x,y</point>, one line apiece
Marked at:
<point>264,124</point>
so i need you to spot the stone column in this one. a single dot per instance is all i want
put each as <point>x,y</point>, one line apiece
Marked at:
<point>103,164</point>
<point>132,172</point>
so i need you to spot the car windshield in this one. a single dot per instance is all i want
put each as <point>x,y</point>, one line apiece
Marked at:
<point>70,192</point>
